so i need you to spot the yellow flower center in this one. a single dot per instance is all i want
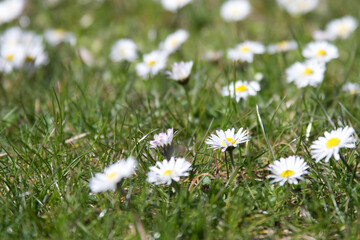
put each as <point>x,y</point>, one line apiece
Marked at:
<point>287,173</point>
<point>229,140</point>
<point>29,58</point>
<point>244,49</point>
<point>173,42</point>
<point>321,52</point>
<point>151,63</point>
<point>111,175</point>
<point>308,71</point>
<point>282,45</point>
<point>167,172</point>
<point>332,142</point>
<point>343,29</point>
<point>10,57</point>
<point>241,88</point>
<point>352,91</point>
<point>59,31</point>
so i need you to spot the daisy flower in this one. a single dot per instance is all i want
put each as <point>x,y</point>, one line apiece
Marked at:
<point>212,56</point>
<point>282,46</point>
<point>163,142</point>
<point>112,175</point>
<point>181,72</point>
<point>174,41</point>
<point>295,7</point>
<point>352,88</point>
<point>320,35</point>
<point>241,89</point>
<point>342,27</point>
<point>322,51</point>
<point>288,169</point>
<point>123,50</point>
<point>152,63</point>
<point>235,10</point>
<point>308,73</point>
<point>245,51</point>
<point>227,140</point>
<point>56,36</point>
<point>174,5</point>
<point>328,146</point>
<point>167,171</point>
<point>10,9</point>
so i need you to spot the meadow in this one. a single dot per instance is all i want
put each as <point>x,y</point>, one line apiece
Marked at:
<point>70,117</point>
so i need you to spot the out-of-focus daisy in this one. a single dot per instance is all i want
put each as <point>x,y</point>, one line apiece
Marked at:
<point>56,36</point>
<point>112,175</point>
<point>10,9</point>
<point>123,50</point>
<point>227,140</point>
<point>174,5</point>
<point>352,88</point>
<point>235,10</point>
<point>308,73</point>
<point>288,169</point>
<point>167,171</point>
<point>342,27</point>
<point>152,63</point>
<point>241,89</point>
<point>245,51</point>
<point>295,7</point>
<point>181,72</point>
<point>212,56</point>
<point>328,146</point>
<point>174,41</point>
<point>320,35</point>
<point>322,51</point>
<point>163,142</point>
<point>282,46</point>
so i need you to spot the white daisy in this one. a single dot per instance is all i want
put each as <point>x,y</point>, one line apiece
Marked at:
<point>56,36</point>
<point>308,73</point>
<point>245,51</point>
<point>322,51</point>
<point>174,5</point>
<point>295,7</point>
<point>181,72</point>
<point>241,89</point>
<point>282,46</point>
<point>227,140</point>
<point>235,10</point>
<point>167,171</point>
<point>342,27</point>
<point>13,55</point>
<point>163,143</point>
<point>288,169</point>
<point>123,50</point>
<point>352,88</point>
<point>174,41</point>
<point>212,56</point>
<point>328,146</point>
<point>152,63</point>
<point>320,35</point>
<point>112,175</point>
<point>10,9</point>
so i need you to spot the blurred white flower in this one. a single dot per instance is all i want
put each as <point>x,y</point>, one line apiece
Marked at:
<point>174,5</point>
<point>319,35</point>
<point>235,10</point>
<point>245,51</point>
<point>56,36</point>
<point>181,72</point>
<point>352,88</point>
<point>10,9</point>
<point>288,169</point>
<point>212,56</point>
<point>241,89</point>
<point>342,27</point>
<point>167,171</point>
<point>328,146</point>
<point>295,7</point>
<point>152,63</point>
<point>124,50</point>
<point>282,46</point>
<point>112,175</point>
<point>321,51</point>
<point>308,73</point>
<point>227,140</point>
<point>174,41</point>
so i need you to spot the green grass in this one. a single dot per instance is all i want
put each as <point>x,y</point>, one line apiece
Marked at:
<point>45,194</point>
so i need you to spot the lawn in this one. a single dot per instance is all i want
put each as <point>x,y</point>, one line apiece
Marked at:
<point>69,118</point>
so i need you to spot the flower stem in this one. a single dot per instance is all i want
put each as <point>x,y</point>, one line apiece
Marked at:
<point>346,164</point>
<point>231,158</point>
